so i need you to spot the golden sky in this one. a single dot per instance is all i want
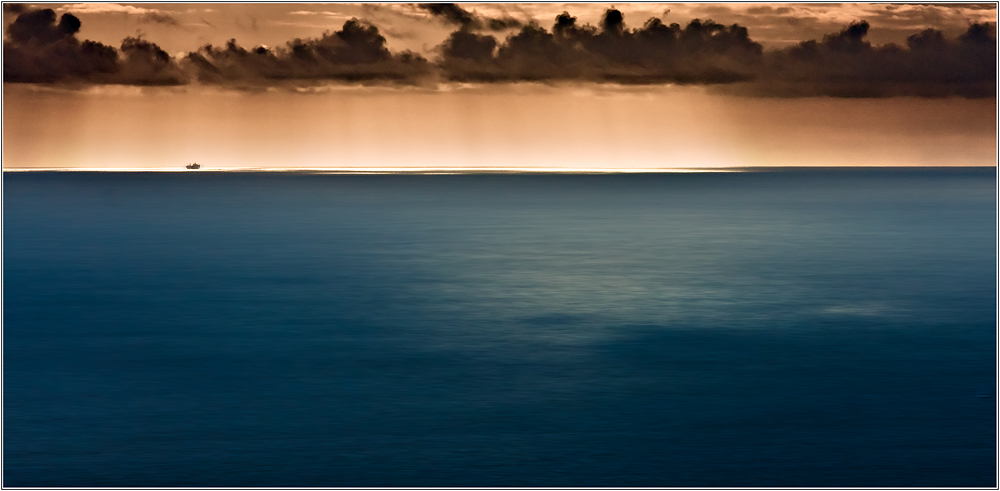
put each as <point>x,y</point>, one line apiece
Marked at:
<point>498,85</point>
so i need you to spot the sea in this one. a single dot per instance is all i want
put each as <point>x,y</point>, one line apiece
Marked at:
<point>762,328</point>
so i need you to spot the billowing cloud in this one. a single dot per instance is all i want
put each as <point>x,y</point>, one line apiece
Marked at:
<point>144,63</point>
<point>845,64</point>
<point>357,52</point>
<point>38,49</point>
<point>701,52</point>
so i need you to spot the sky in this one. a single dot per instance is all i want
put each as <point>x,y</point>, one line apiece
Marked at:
<point>512,85</point>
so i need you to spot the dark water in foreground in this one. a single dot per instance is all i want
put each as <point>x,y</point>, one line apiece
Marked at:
<point>797,328</point>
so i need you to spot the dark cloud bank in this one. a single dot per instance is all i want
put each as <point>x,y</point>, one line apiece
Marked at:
<point>357,52</point>
<point>39,48</point>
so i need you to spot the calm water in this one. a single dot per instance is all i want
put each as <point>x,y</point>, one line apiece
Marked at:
<point>793,328</point>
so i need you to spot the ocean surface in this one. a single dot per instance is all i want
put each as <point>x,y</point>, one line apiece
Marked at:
<point>815,327</point>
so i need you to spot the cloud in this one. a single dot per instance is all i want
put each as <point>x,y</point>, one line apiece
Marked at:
<point>12,10</point>
<point>159,18</point>
<point>842,64</point>
<point>357,52</point>
<point>324,13</point>
<point>449,12</point>
<point>453,14</point>
<point>314,19</point>
<point>40,47</point>
<point>846,64</point>
<point>701,52</point>
<point>37,49</point>
<point>144,15</point>
<point>144,63</point>
<point>104,8</point>
<point>39,27</point>
<point>786,24</point>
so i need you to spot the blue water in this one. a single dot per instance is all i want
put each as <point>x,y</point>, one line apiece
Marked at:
<point>781,328</point>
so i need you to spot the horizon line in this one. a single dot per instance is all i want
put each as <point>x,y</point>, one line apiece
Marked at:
<point>474,170</point>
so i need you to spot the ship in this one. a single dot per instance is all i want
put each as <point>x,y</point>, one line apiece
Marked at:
<point>193,166</point>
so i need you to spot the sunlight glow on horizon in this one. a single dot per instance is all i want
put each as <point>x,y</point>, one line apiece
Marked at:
<point>516,128</point>
<point>386,170</point>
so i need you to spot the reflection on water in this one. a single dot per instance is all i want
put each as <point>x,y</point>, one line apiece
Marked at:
<point>792,328</point>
